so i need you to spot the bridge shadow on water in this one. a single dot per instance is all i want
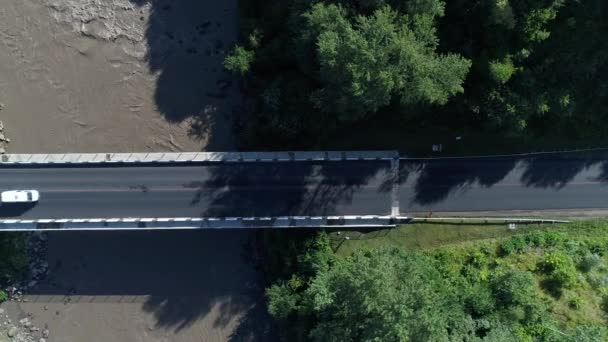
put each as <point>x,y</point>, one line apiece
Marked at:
<point>181,278</point>
<point>434,181</point>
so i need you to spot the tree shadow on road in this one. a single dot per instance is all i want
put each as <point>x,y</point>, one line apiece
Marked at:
<point>186,44</point>
<point>433,181</point>
<point>292,189</point>
<point>557,171</point>
<point>437,179</point>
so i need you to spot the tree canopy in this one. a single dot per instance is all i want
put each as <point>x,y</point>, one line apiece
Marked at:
<point>463,294</point>
<point>515,67</point>
<point>381,296</point>
<point>366,61</point>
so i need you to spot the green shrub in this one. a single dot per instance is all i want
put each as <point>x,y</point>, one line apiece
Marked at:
<point>478,259</point>
<point>604,296</point>
<point>588,262</point>
<point>3,296</point>
<point>513,287</point>
<point>554,261</point>
<point>449,262</point>
<point>576,303</point>
<point>560,269</point>
<point>587,333</point>
<point>478,300</point>
<point>535,239</point>
<point>543,239</point>
<point>597,280</point>
<point>499,332</point>
<point>515,244</point>
<point>574,248</point>
<point>516,313</point>
<point>565,278</point>
<point>599,248</point>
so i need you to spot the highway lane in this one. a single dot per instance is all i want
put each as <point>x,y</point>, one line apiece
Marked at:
<point>239,189</point>
<point>572,181</point>
<point>576,181</point>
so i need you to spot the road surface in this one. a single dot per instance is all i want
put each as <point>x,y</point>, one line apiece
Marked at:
<point>552,182</point>
<point>234,189</point>
<point>547,182</point>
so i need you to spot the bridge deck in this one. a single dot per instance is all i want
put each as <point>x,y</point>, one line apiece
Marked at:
<point>211,190</point>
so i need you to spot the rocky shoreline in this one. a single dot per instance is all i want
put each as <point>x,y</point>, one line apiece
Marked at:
<point>24,330</point>
<point>3,140</point>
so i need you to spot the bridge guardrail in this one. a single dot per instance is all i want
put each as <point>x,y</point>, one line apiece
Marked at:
<point>348,221</point>
<point>196,223</point>
<point>179,157</point>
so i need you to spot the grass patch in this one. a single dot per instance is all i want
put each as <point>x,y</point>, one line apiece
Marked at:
<point>416,236</point>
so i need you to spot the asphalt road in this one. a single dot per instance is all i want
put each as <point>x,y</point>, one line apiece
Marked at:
<point>571,181</point>
<point>317,188</point>
<point>248,189</point>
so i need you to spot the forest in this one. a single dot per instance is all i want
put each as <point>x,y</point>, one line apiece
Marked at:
<point>317,73</point>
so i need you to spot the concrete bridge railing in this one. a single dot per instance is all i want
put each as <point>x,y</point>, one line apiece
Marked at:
<point>197,223</point>
<point>186,157</point>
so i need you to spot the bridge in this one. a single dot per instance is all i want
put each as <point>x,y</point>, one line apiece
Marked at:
<point>290,189</point>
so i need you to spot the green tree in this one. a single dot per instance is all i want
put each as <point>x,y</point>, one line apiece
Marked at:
<point>366,61</point>
<point>282,301</point>
<point>382,295</point>
<point>239,60</point>
<point>501,71</point>
<point>298,258</point>
<point>502,37</point>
